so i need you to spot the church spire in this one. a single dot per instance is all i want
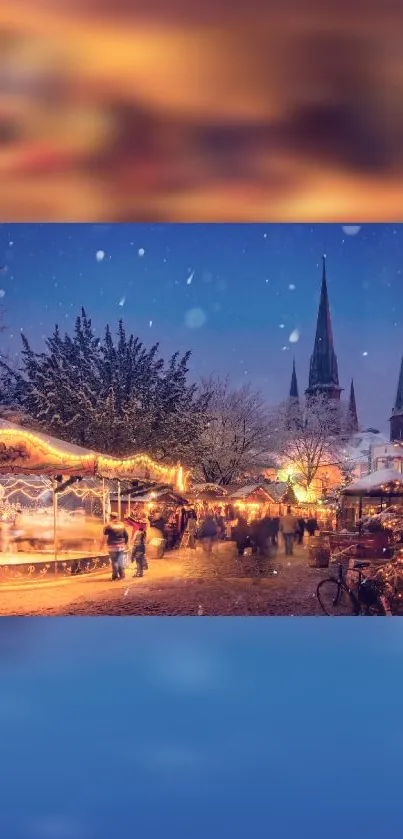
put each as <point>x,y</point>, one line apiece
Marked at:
<point>352,410</point>
<point>294,383</point>
<point>396,420</point>
<point>323,372</point>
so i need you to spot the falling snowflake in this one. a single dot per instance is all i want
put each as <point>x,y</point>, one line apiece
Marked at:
<point>99,256</point>
<point>122,301</point>
<point>190,278</point>
<point>351,229</point>
<point>365,353</point>
<point>150,324</point>
<point>2,292</point>
<point>200,611</point>
<point>291,287</point>
<point>141,251</point>
<point>294,337</point>
<point>281,326</point>
<point>285,348</point>
<point>195,318</point>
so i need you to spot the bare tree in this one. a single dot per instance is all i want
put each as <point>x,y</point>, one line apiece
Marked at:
<point>311,435</point>
<point>238,434</point>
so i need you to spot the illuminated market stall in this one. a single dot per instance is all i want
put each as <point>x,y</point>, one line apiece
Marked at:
<point>209,498</point>
<point>252,501</point>
<point>362,501</point>
<point>143,503</point>
<point>54,476</point>
<point>370,496</point>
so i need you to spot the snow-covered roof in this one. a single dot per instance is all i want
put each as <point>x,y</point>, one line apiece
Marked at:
<point>249,489</point>
<point>277,489</point>
<point>359,446</point>
<point>213,489</point>
<point>374,481</point>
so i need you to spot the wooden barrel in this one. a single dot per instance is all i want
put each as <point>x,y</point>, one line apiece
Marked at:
<point>319,551</point>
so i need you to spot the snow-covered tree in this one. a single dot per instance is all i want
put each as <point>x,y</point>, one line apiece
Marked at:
<point>112,396</point>
<point>238,435</point>
<point>311,436</point>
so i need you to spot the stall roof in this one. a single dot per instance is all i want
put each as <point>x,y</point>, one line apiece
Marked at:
<point>281,491</point>
<point>208,491</point>
<point>25,451</point>
<point>250,489</point>
<point>161,496</point>
<point>374,481</point>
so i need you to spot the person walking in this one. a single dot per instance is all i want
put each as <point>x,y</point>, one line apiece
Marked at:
<point>241,535</point>
<point>275,530</point>
<point>139,554</point>
<point>208,533</point>
<point>191,529</point>
<point>301,530</point>
<point>116,538</point>
<point>288,527</point>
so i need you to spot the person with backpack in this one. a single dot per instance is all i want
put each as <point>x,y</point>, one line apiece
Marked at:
<point>139,553</point>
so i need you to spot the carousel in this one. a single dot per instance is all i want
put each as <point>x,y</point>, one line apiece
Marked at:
<point>55,498</point>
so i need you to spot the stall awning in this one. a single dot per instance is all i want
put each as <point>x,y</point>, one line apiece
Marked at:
<point>31,452</point>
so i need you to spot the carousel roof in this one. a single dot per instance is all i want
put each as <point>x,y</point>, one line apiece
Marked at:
<point>25,451</point>
<point>382,479</point>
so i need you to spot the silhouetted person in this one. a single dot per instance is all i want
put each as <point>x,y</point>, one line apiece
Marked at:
<point>312,526</point>
<point>289,527</point>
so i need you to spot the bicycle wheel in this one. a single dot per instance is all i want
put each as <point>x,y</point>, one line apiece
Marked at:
<point>335,599</point>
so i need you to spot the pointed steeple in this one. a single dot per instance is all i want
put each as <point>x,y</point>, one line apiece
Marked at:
<point>352,410</point>
<point>294,383</point>
<point>293,415</point>
<point>396,420</point>
<point>323,371</point>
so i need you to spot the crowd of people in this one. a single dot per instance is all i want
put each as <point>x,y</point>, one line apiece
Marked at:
<point>130,538</point>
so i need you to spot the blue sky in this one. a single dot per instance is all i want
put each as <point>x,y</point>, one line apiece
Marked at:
<point>221,727</point>
<point>233,294</point>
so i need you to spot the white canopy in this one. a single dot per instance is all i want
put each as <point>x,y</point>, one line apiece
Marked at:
<point>374,481</point>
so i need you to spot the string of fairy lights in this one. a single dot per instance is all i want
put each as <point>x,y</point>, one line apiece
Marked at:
<point>43,456</point>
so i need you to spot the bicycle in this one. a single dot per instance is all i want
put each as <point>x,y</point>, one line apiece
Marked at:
<point>336,597</point>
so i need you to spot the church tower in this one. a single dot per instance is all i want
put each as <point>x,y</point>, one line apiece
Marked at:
<point>294,383</point>
<point>323,371</point>
<point>293,416</point>
<point>396,420</point>
<point>352,410</point>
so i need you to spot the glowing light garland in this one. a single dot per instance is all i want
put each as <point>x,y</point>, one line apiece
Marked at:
<point>91,463</point>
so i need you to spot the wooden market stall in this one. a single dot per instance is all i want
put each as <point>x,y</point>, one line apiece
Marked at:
<point>30,453</point>
<point>142,504</point>
<point>370,496</point>
<point>252,501</point>
<point>209,498</point>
